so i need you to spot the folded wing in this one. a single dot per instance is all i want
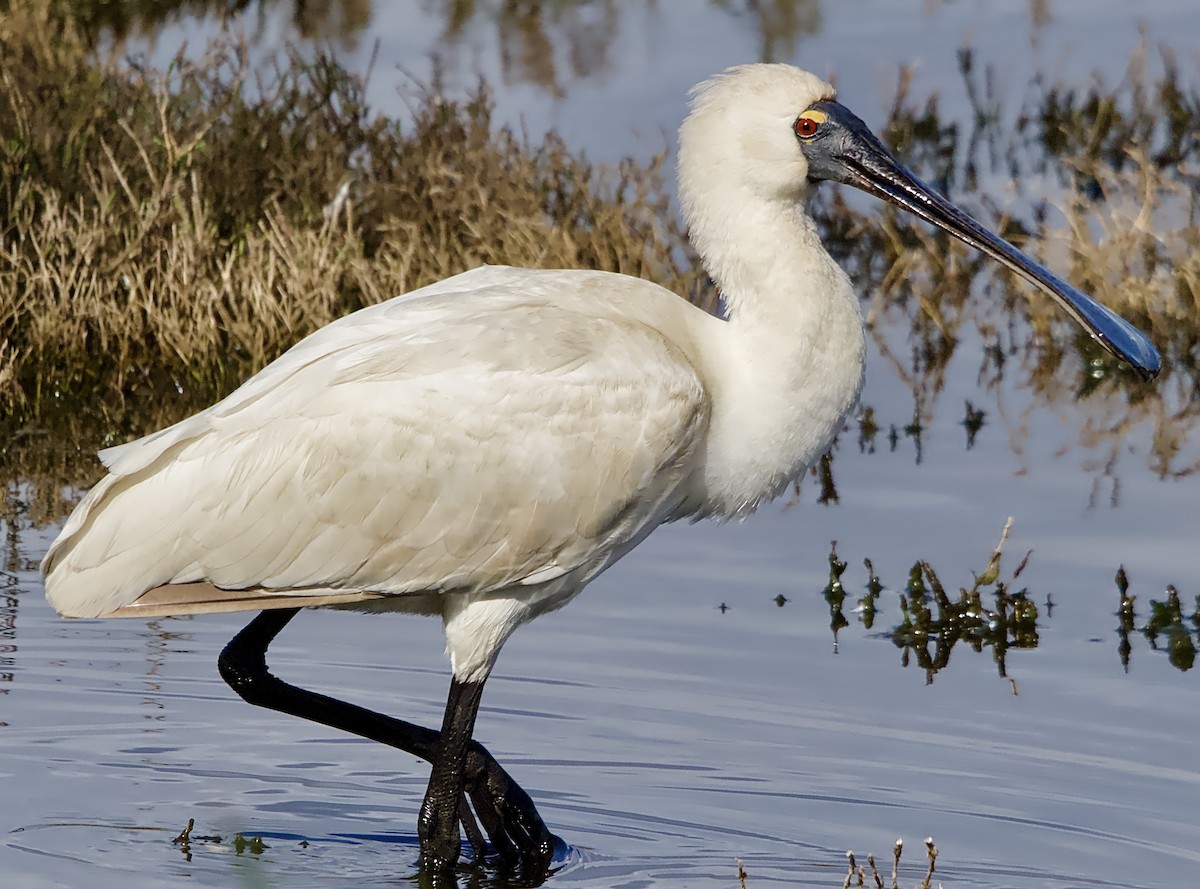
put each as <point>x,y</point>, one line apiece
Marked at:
<point>484,434</point>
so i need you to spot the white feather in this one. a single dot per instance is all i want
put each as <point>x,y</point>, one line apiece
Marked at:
<point>483,447</point>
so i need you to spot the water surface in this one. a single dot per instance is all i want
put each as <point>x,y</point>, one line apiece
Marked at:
<point>663,736</point>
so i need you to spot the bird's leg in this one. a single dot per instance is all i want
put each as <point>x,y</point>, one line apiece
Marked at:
<point>505,811</point>
<point>437,825</point>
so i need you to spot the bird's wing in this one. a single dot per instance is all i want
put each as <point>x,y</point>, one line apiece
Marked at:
<point>467,441</point>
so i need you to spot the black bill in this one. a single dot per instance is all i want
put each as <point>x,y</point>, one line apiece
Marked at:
<point>844,150</point>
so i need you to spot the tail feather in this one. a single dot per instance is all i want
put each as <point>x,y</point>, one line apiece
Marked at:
<point>204,598</point>
<point>105,558</point>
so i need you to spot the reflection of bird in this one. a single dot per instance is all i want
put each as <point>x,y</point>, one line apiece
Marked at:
<point>482,448</point>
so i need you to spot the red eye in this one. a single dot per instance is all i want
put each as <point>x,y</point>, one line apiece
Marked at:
<point>806,127</point>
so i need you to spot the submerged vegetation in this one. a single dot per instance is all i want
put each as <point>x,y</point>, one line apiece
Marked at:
<point>1167,629</point>
<point>988,615</point>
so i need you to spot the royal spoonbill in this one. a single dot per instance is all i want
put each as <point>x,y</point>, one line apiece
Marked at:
<point>482,448</point>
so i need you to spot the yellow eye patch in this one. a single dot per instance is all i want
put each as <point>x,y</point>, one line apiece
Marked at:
<point>809,122</point>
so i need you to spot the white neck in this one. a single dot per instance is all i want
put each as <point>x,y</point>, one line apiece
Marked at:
<point>788,366</point>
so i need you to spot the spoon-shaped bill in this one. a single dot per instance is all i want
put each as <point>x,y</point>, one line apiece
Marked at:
<point>845,150</point>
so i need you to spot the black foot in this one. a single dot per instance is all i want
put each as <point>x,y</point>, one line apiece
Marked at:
<point>505,811</point>
<point>464,768</point>
<point>507,814</point>
<point>520,840</point>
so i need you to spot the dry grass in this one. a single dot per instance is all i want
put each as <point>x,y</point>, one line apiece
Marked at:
<point>165,234</point>
<point>1121,167</point>
<point>185,223</point>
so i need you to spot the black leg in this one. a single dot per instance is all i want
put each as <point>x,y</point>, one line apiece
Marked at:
<point>438,823</point>
<point>506,812</point>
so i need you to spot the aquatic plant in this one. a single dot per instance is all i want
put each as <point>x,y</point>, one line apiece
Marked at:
<point>1166,619</point>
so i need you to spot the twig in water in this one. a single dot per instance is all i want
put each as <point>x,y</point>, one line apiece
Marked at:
<point>932,853</point>
<point>185,834</point>
<point>875,871</point>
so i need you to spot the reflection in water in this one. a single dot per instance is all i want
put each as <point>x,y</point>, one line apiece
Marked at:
<point>535,40</point>
<point>13,516</point>
<point>528,34</point>
<point>973,420</point>
<point>932,623</point>
<point>1011,623</point>
<point>835,594</point>
<point>331,19</point>
<point>158,645</point>
<point>990,615</point>
<point>868,428</point>
<point>8,634</point>
<point>1165,628</point>
<point>822,472</point>
<point>780,24</point>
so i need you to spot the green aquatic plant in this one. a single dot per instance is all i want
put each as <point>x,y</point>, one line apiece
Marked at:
<point>868,604</point>
<point>990,615</point>
<point>928,636</point>
<point>1181,632</point>
<point>986,615</point>
<point>835,593</point>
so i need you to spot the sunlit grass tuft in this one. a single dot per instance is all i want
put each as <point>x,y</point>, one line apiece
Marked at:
<point>195,223</point>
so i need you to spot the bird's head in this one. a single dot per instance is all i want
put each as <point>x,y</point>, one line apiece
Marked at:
<point>739,134</point>
<point>765,133</point>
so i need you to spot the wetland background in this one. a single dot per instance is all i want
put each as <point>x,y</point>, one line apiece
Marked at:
<point>185,190</point>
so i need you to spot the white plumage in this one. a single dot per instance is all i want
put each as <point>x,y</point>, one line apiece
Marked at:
<point>483,447</point>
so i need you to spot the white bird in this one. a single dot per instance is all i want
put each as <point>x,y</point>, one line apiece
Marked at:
<point>482,448</point>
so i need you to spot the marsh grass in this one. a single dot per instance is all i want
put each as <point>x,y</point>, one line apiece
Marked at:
<point>185,222</point>
<point>164,234</point>
<point>1114,204</point>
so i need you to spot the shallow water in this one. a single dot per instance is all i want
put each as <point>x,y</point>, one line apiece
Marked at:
<point>663,736</point>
